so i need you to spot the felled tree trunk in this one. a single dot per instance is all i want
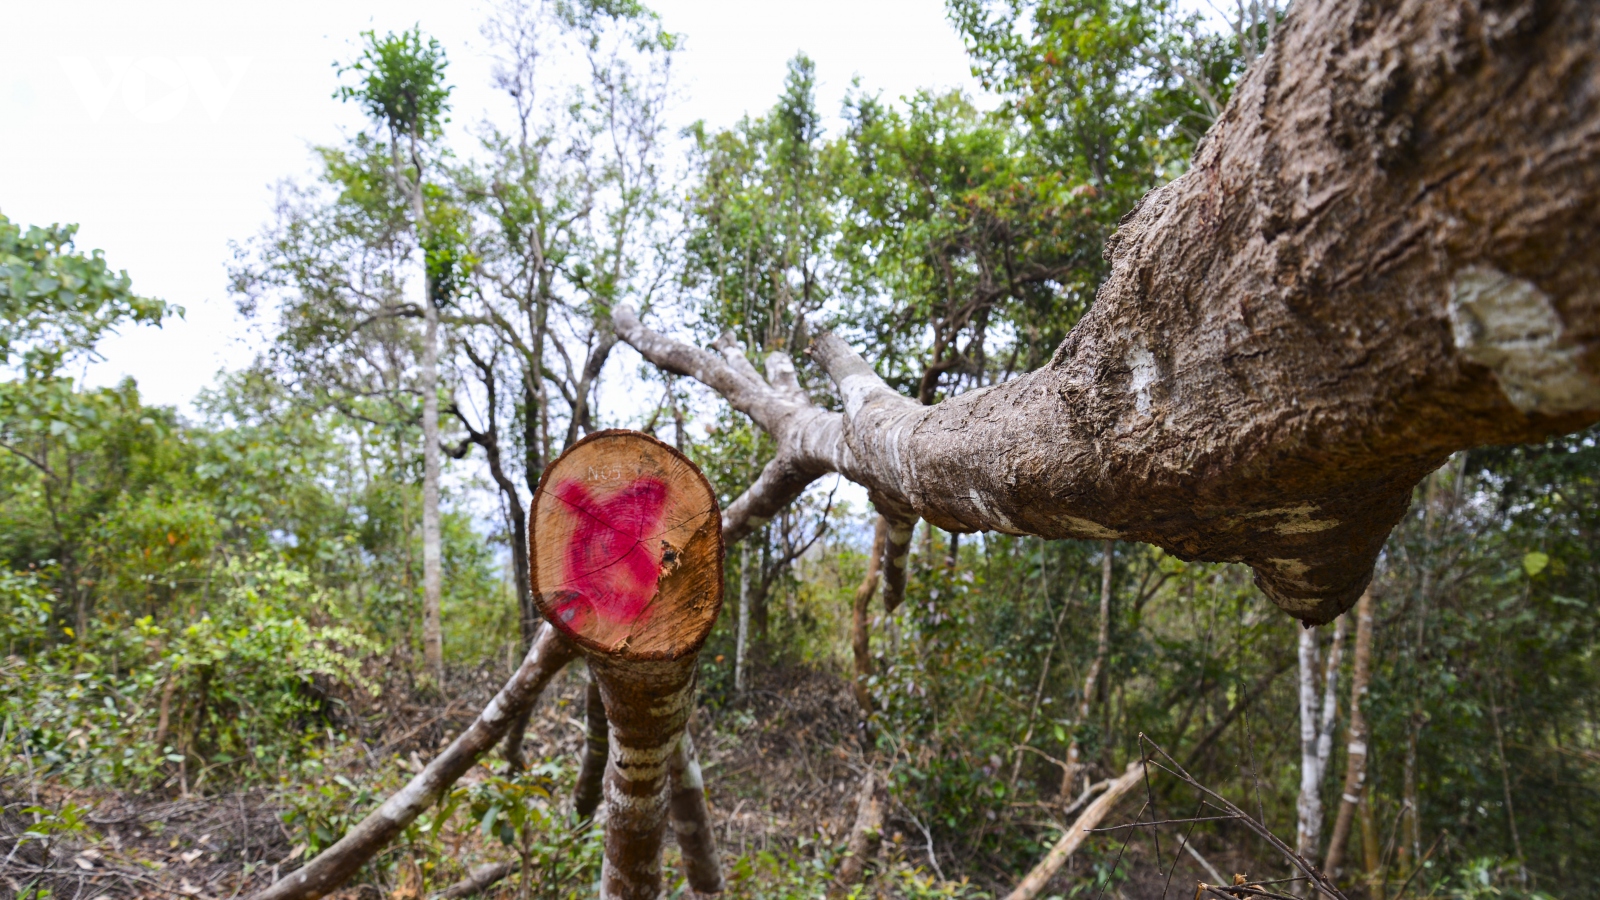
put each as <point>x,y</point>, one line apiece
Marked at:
<point>1036,880</point>
<point>1385,250</point>
<point>548,655</point>
<point>628,565</point>
<point>866,835</point>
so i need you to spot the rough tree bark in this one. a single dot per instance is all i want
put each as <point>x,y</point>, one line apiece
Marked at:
<point>1384,251</point>
<point>1091,681</point>
<point>1355,771</point>
<point>628,565</point>
<point>548,655</point>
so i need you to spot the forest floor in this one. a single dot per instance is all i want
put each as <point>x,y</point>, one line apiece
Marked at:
<point>783,768</point>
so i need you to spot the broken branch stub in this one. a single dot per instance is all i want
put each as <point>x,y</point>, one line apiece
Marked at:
<point>628,565</point>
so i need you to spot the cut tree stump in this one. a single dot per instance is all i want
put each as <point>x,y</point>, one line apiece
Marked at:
<point>627,563</point>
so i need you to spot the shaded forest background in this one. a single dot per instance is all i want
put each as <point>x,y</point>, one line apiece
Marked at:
<point>222,609</point>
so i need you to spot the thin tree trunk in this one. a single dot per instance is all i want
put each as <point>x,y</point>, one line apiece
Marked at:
<point>1245,701</point>
<point>1371,855</point>
<point>867,834</point>
<point>1329,717</point>
<point>1102,651</point>
<point>1355,771</point>
<point>1077,832</point>
<point>1309,806</point>
<point>691,820</point>
<point>549,654</point>
<point>432,549</point>
<point>1044,676</point>
<point>1317,746</point>
<point>1411,833</point>
<point>896,555</point>
<point>164,716</point>
<point>1505,781</point>
<point>596,749</point>
<point>1363,261</point>
<point>741,639</point>
<point>860,634</point>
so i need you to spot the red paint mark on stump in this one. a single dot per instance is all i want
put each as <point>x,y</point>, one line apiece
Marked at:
<point>612,567</point>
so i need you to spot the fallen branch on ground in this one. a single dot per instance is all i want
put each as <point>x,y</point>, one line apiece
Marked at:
<point>548,655</point>
<point>1077,833</point>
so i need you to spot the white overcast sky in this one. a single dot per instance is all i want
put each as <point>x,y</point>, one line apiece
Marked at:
<point>160,128</point>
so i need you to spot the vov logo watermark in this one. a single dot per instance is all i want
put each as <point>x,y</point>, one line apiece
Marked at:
<point>155,89</point>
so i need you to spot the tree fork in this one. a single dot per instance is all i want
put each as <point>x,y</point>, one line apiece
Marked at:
<point>628,565</point>
<point>1384,251</point>
<point>332,867</point>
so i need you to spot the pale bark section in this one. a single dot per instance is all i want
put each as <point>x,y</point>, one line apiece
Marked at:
<point>741,637</point>
<point>1309,806</point>
<point>548,655</point>
<point>1316,734</point>
<point>691,820</point>
<point>1385,251</point>
<point>1330,694</point>
<point>809,438</point>
<point>432,539</point>
<point>1039,878</point>
<point>1355,772</point>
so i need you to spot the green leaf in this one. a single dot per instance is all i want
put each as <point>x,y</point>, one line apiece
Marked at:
<point>487,828</point>
<point>1535,562</point>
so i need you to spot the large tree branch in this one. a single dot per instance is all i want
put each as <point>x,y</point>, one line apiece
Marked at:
<point>809,438</point>
<point>1385,251</point>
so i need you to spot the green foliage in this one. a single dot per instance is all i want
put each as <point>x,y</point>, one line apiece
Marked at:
<point>25,606</point>
<point>244,687</point>
<point>57,303</point>
<point>400,82</point>
<point>560,856</point>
